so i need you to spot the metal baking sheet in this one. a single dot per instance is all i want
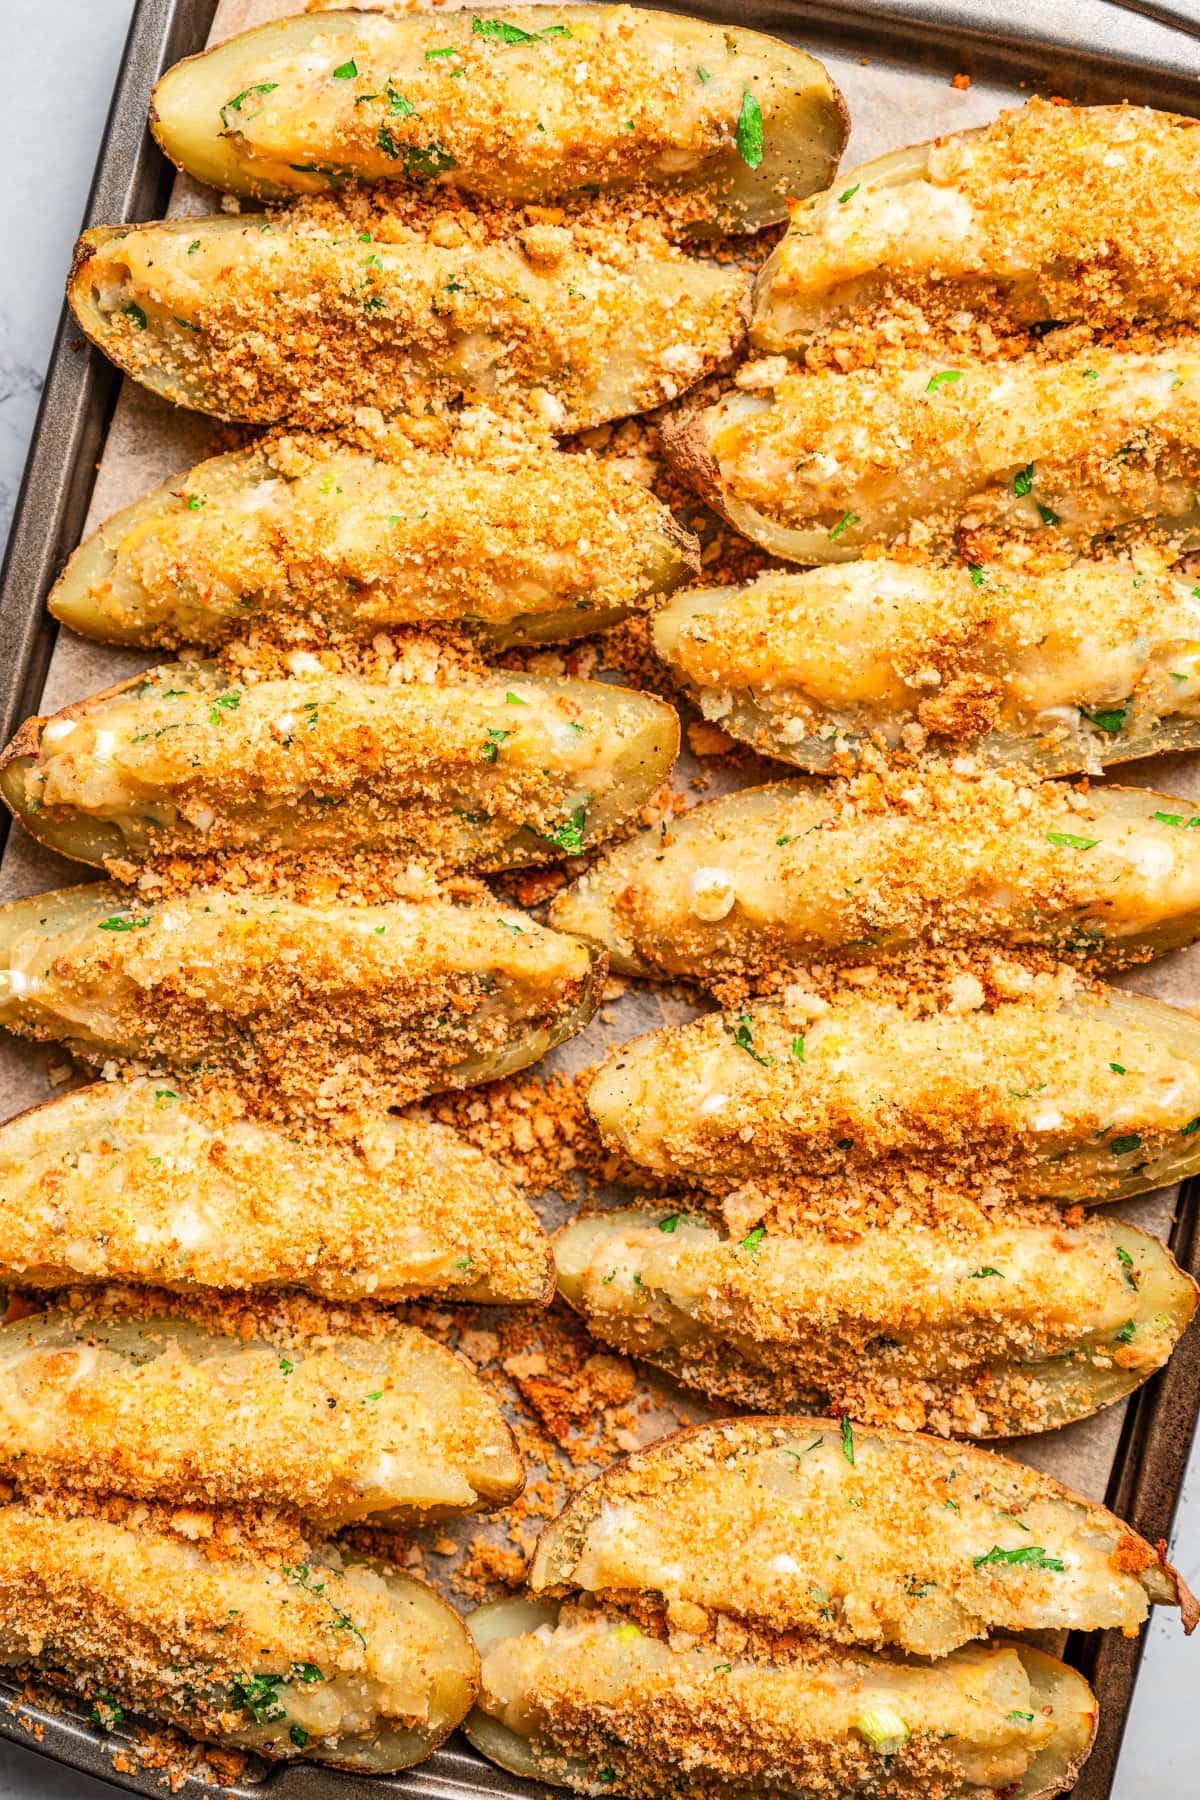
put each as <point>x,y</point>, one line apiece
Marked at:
<point>101,442</point>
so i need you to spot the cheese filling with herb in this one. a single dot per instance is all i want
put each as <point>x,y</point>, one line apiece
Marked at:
<point>594,1700</point>
<point>342,1431</point>
<point>880,1539</point>
<point>503,770</point>
<point>308,539</point>
<point>1060,1089</point>
<point>522,104</point>
<point>1058,671</point>
<point>292,1648</point>
<point>1048,214</point>
<point>813,465</point>
<point>299,321</point>
<point>734,891</point>
<point>981,1326</point>
<point>143,1182</point>
<point>320,1006</point>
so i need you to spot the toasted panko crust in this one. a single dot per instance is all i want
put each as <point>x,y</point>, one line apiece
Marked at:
<point>139,1181</point>
<point>1050,1087</point>
<point>735,891</point>
<point>158,1409</point>
<point>983,1326</point>
<point>311,1006</point>
<point>309,539</point>
<point>1048,213</point>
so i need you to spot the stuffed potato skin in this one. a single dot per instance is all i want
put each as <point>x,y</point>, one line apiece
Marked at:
<point>489,774</point>
<point>515,105</point>
<point>583,1697</point>
<point>814,466</point>
<point>806,1524</point>
<point>1091,1094</point>
<point>981,1329</point>
<point>342,1432</point>
<point>139,1182</point>
<point>309,539</point>
<point>1052,672</point>
<point>275,322</point>
<point>1048,213</point>
<point>309,1006</point>
<point>306,1651</point>
<point>737,888</point>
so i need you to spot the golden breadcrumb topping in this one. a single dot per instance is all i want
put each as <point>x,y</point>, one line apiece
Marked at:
<point>308,538</point>
<point>140,1181</point>
<point>1061,450</point>
<point>1017,1325</point>
<point>304,319</point>
<point>599,1691</point>
<point>800,1524</point>
<point>732,892</point>
<point>1048,213</point>
<point>1070,1089</point>
<point>318,1006</point>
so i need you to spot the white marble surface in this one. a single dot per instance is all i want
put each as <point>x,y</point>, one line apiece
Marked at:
<point>40,209</point>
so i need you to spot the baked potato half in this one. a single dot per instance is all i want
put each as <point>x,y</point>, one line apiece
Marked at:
<point>523,104</point>
<point>738,888</point>
<point>142,1182</point>
<point>815,465</point>
<point>487,774</point>
<point>881,1538</point>
<point>275,321</point>
<point>1056,673</point>
<point>307,539</point>
<point>997,1329</point>
<point>584,1698</point>
<point>1090,1094</point>
<point>342,1431</point>
<point>1050,214</point>
<point>311,1007</point>
<point>303,1651</point>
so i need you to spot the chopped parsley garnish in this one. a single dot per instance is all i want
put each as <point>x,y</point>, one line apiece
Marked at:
<point>505,33</point>
<point>670,1223</point>
<point>1117,1068</point>
<point>196,501</point>
<point>165,1094</point>
<point>1027,1717</point>
<point>975,571</point>
<point>133,311</point>
<point>844,523</point>
<point>514,700</point>
<point>491,749</point>
<point>298,1736</point>
<point>704,75</point>
<point>1028,1556</point>
<point>798,1048</point>
<point>750,1243</point>
<point>117,923</point>
<point>1023,481</point>
<point>222,704</point>
<point>1188,1129</point>
<point>436,55</point>
<point>1127,1268</point>
<point>1110,719</point>
<point>235,105</point>
<point>1047,514</point>
<point>848,1441</point>
<point>193,246</point>
<point>849,194</point>
<point>1125,1335</point>
<point>346,71</point>
<point>799,1455</point>
<point>301,1574</point>
<point>1177,819</point>
<point>1122,1146</point>
<point>1066,840</point>
<point>749,134</point>
<point>945,378</point>
<point>743,1036</point>
<point>982,1274</point>
<point>285,1367</point>
<point>259,1696</point>
<point>568,837</point>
